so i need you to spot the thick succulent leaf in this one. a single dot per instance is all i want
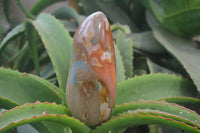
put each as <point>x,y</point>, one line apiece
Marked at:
<point>154,87</point>
<point>178,5</point>
<point>31,37</point>
<point>185,101</point>
<point>23,56</point>
<point>21,88</point>
<point>171,111</point>
<point>119,65</point>
<point>125,45</point>
<point>176,19</point>
<point>184,50</point>
<point>30,113</point>
<point>156,8</point>
<point>42,4</point>
<point>7,104</point>
<point>141,113</point>
<point>129,119</point>
<point>177,23</point>
<point>15,32</point>
<point>66,13</point>
<point>145,41</point>
<point>58,44</point>
<point>8,54</point>
<point>163,106</point>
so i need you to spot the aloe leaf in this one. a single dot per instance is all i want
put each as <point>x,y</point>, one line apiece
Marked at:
<point>37,112</point>
<point>25,63</point>
<point>15,32</point>
<point>157,9</point>
<point>120,66</point>
<point>140,113</point>
<point>58,44</point>
<point>31,37</point>
<point>178,5</point>
<point>21,88</point>
<point>15,54</point>
<point>145,41</point>
<point>148,116</point>
<point>23,56</point>
<point>66,13</point>
<point>163,106</point>
<point>38,126</point>
<point>26,13</point>
<point>7,104</point>
<point>154,87</point>
<point>125,46</point>
<point>185,101</point>
<point>183,50</point>
<point>42,4</point>
<point>177,21</point>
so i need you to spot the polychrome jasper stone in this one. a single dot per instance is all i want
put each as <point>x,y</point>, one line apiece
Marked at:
<point>91,85</point>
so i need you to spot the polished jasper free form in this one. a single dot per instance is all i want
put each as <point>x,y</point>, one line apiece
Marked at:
<point>91,85</point>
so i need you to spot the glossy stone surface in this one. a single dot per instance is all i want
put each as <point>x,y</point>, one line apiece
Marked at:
<point>91,85</point>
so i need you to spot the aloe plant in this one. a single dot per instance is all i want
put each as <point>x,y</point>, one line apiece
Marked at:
<point>157,71</point>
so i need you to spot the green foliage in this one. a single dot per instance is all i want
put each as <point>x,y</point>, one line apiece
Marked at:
<point>181,18</point>
<point>125,46</point>
<point>57,45</point>
<point>187,54</point>
<point>137,113</point>
<point>148,87</point>
<point>39,112</point>
<point>119,65</point>
<point>157,63</point>
<point>20,87</point>
<point>15,32</point>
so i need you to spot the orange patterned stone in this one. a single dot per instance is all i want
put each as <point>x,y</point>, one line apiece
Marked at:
<point>91,85</point>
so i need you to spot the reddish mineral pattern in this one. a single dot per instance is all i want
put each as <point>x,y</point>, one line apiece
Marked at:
<point>91,85</point>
